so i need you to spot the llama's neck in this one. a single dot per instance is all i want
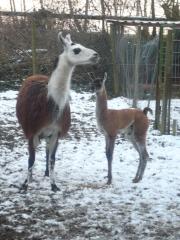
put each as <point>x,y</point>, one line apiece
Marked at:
<point>60,82</point>
<point>101,104</point>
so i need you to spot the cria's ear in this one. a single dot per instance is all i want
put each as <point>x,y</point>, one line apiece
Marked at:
<point>105,77</point>
<point>91,76</point>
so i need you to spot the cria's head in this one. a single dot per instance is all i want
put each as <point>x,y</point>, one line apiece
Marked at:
<point>77,54</point>
<point>99,83</point>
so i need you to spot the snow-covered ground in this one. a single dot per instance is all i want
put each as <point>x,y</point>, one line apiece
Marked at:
<point>86,208</point>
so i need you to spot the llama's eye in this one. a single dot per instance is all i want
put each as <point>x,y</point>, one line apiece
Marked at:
<point>76,50</point>
<point>73,44</point>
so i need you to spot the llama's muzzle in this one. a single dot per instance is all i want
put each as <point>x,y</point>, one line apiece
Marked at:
<point>95,58</point>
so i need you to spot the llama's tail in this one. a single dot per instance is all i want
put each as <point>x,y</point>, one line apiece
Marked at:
<point>146,110</point>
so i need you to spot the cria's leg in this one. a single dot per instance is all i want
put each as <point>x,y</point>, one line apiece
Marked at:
<point>109,155</point>
<point>31,160</point>
<point>52,147</point>
<point>143,157</point>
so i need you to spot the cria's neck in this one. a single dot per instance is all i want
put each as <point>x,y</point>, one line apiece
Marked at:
<point>101,103</point>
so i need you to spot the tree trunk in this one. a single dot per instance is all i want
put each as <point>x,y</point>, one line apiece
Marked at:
<point>86,14</point>
<point>14,6</point>
<point>41,4</point>
<point>103,14</point>
<point>34,60</point>
<point>24,5</point>
<point>138,7</point>
<point>10,1</point>
<point>72,14</point>
<point>115,7</point>
<point>153,17</point>
<point>145,8</point>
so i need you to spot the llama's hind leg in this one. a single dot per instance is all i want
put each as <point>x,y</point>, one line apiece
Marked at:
<point>52,147</point>
<point>143,157</point>
<point>31,160</point>
<point>47,157</point>
<point>109,155</point>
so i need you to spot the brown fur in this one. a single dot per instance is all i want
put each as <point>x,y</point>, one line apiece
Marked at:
<point>116,120</point>
<point>113,121</point>
<point>34,109</point>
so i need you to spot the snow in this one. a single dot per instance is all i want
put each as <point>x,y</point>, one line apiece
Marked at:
<point>85,207</point>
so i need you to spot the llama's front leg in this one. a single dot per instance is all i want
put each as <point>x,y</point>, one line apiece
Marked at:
<point>52,147</point>
<point>109,155</point>
<point>31,160</point>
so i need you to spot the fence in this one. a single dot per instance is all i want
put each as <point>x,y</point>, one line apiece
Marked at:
<point>149,66</point>
<point>29,45</point>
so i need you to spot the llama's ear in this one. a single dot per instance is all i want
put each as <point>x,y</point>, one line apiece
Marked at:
<point>62,39</point>
<point>68,38</point>
<point>105,77</point>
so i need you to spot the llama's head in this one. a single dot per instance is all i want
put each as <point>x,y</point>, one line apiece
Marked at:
<point>99,83</point>
<point>76,54</point>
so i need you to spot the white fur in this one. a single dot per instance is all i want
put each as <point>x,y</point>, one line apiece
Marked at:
<point>60,82</point>
<point>59,90</point>
<point>50,145</point>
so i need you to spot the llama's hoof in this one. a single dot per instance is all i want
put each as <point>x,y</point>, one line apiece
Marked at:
<point>109,181</point>
<point>136,180</point>
<point>46,174</point>
<point>54,188</point>
<point>23,188</point>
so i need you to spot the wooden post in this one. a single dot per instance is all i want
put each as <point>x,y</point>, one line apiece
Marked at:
<point>168,127</point>
<point>34,59</point>
<point>159,81</point>
<point>113,46</point>
<point>122,80</point>
<point>167,85</point>
<point>174,127</point>
<point>136,72</point>
<point>118,37</point>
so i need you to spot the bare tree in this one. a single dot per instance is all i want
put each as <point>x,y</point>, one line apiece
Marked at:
<point>138,7</point>
<point>103,13</point>
<point>86,14</point>
<point>153,17</point>
<point>71,9</point>
<point>24,5</point>
<point>12,5</point>
<point>115,7</point>
<point>171,9</point>
<point>41,4</point>
<point>145,8</point>
<point>10,1</point>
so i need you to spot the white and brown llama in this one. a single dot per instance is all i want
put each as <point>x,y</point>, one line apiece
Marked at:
<point>43,108</point>
<point>132,121</point>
